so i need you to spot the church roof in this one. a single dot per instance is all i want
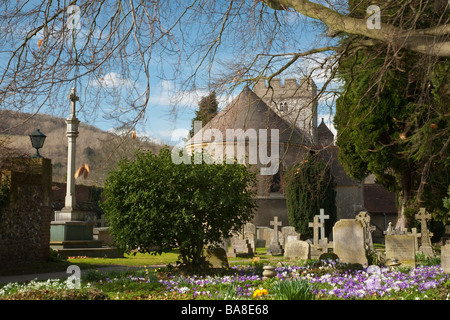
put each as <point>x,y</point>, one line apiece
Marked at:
<point>248,111</point>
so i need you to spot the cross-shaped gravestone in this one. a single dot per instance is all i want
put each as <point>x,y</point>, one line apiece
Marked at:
<point>322,218</point>
<point>324,245</point>
<point>425,246</point>
<point>364,218</point>
<point>315,225</point>
<point>275,223</point>
<point>423,216</point>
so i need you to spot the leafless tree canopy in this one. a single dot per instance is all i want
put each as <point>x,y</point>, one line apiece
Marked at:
<point>112,50</point>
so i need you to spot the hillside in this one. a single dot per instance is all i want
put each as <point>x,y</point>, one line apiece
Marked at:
<point>99,149</point>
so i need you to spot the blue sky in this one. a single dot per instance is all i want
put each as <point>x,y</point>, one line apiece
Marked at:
<point>170,110</point>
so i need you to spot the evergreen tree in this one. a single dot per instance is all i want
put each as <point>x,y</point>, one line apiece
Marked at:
<point>208,109</point>
<point>309,188</point>
<point>393,121</point>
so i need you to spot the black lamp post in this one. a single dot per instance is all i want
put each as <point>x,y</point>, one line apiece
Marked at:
<point>37,141</point>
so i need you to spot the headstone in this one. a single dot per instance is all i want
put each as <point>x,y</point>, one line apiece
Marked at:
<point>297,249</point>
<point>103,235</point>
<point>287,232</point>
<point>250,237</point>
<point>322,218</point>
<point>291,238</point>
<point>348,241</point>
<point>250,227</point>
<point>265,234</point>
<point>315,225</point>
<point>364,218</point>
<point>445,258</point>
<point>446,237</point>
<point>416,238</point>
<point>275,246</point>
<point>260,243</point>
<point>322,247</point>
<point>217,257</point>
<point>389,230</point>
<point>240,248</point>
<point>425,246</point>
<point>401,247</point>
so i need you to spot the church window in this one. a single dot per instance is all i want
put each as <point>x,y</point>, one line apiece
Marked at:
<point>284,106</point>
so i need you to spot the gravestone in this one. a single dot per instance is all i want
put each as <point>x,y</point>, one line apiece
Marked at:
<point>315,225</point>
<point>275,247</point>
<point>250,227</point>
<point>364,218</point>
<point>401,247</point>
<point>287,232</point>
<point>445,258</point>
<point>446,237</point>
<point>291,238</point>
<point>348,241</point>
<point>297,249</point>
<point>425,243</point>
<point>250,237</point>
<point>240,248</point>
<point>265,234</point>
<point>217,257</point>
<point>416,238</point>
<point>322,217</point>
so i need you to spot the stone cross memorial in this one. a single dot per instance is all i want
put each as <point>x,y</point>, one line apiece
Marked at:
<point>322,218</point>
<point>425,246</point>
<point>275,247</point>
<point>316,225</point>
<point>70,229</point>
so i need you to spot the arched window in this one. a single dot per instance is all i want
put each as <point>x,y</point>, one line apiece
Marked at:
<point>284,106</point>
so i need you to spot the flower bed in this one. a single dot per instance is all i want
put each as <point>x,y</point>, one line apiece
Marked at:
<point>329,280</point>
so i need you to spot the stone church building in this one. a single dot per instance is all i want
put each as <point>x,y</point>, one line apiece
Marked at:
<point>249,122</point>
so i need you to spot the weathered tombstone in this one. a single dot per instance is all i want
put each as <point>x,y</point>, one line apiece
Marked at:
<point>292,238</point>
<point>401,247</point>
<point>265,234</point>
<point>416,238</point>
<point>446,236</point>
<point>348,241</point>
<point>287,232</point>
<point>260,243</point>
<point>315,225</point>
<point>275,246</point>
<point>322,247</point>
<point>364,218</point>
<point>250,237</point>
<point>250,227</point>
<point>297,249</point>
<point>240,248</point>
<point>217,257</point>
<point>445,258</point>
<point>425,245</point>
<point>322,217</point>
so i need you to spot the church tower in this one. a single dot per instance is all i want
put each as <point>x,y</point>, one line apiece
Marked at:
<point>292,101</point>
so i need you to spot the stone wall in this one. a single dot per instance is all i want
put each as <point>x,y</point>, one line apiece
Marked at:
<point>25,219</point>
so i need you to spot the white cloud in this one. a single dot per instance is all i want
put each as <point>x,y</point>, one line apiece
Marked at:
<point>113,80</point>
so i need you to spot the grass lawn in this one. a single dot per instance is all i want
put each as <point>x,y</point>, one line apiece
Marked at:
<point>131,260</point>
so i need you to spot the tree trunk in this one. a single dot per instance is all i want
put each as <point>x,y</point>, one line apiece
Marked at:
<point>406,195</point>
